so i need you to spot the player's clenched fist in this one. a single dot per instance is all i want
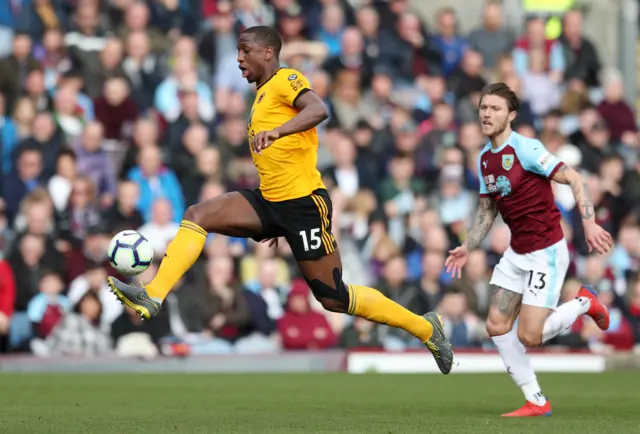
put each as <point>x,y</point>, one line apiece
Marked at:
<point>597,238</point>
<point>263,140</point>
<point>456,260</point>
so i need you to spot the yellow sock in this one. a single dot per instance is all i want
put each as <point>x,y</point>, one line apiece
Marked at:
<point>369,303</point>
<point>181,254</point>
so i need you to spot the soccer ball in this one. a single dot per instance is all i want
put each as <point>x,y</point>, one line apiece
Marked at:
<point>130,253</point>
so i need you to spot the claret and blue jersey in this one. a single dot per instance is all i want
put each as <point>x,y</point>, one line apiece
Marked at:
<point>517,177</point>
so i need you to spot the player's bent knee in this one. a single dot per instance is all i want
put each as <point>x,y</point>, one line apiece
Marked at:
<point>194,214</point>
<point>529,338</point>
<point>498,327</point>
<point>332,299</point>
<point>333,305</point>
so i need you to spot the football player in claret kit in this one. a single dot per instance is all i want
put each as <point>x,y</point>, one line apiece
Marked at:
<point>292,202</point>
<point>515,180</point>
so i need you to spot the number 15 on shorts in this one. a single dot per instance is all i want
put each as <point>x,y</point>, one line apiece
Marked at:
<point>311,241</point>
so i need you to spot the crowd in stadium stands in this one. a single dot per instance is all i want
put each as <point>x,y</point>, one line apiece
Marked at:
<point>118,114</point>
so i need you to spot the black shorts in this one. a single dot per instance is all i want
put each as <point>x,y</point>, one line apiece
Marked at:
<point>304,222</point>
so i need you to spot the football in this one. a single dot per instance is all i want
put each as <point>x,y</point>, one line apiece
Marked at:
<point>130,253</point>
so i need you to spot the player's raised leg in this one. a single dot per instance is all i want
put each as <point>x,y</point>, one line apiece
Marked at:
<point>324,277</point>
<point>229,214</point>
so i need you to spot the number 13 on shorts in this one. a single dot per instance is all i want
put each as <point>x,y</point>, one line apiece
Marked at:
<point>538,276</point>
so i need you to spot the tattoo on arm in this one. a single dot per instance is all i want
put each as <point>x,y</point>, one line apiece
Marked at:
<point>483,221</point>
<point>580,191</point>
<point>507,302</point>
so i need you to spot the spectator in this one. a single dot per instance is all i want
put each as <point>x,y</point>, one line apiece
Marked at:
<point>183,78</point>
<point>332,25</point>
<point>42,16</point>
<point>115,109</point>
<point>491,40</point>
<point>123,214</point>
<point>616,113</point>
<point>535,38</point>
<point>8,137</point>
<point>86,40</point>
<point>449,43</point>
<point>361,334</point>
<point>267,286</point>
<point>47,309</point>
<point>156,181</point>
<point>136,19</point>
<point>8,16</point>
<point>140,66</point>
<point>352,57</point>
<point>7,299</point>
<point>463,327</point>
<point>36,91</point>
<point>45,138</point>
<point>412,54</point>
<point>145,134</point>
<point>26,176</point>
<point>92,283</point>
<point>300,327</point>
<point>77,334</point>
<point>162,228</point>
<point>231,314</point>
<point>537,86</point>
<point>82,211</point>
<point>347,175</point>
<point>53,57</point>
<point>15,67</point>
<point>580,54</point>
<point>218,41</point>
<point>93,162</point>
<point>133,337</point>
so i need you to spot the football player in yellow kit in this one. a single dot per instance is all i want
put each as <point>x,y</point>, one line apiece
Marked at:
<point>291,202</point>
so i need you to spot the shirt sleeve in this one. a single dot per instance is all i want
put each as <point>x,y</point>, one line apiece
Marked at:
<point>292,86</point>
<point>535,158</point>
<point>483,186</point>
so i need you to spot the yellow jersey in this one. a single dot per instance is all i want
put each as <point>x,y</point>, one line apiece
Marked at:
<point>287,168</point>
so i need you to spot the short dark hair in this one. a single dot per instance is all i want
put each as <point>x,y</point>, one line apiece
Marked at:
<point>266,36</point>
<point>503,91</point>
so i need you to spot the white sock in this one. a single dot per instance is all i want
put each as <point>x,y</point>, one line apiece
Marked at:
<point>563,317</point>
<point>514,356</point>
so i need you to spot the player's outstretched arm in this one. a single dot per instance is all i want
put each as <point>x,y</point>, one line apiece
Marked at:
<point>485,216</point>
<point>597,238</point>
<point>312,112</point>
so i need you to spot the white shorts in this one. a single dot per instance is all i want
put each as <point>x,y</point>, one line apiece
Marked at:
<point>538,276</point>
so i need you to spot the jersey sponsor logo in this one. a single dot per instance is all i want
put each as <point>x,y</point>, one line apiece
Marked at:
<point>545,160</point>
<point>490,183</point>
<point>293,77</point>
<point>503,185</point>
<point>507,161</point>
<point>260,98</point>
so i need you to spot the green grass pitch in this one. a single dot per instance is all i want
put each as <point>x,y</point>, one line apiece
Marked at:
<point>311,403</point>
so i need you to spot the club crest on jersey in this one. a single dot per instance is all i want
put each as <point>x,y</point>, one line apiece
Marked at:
<point>503,185</point>
<point>507,161</point>
<point>293,77</point>
<point>260,98</point>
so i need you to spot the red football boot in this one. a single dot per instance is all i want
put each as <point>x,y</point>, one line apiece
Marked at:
<point>531,410</point>
<point>597,311</point>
